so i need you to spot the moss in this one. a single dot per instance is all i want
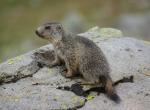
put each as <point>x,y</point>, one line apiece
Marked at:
<point>19,58</point>
<point>56,98</point>
<point>10,61</point>
<point>89,97</point>
<point>75,99</point>
<point>64,106</point>
<point>110,32</point>
<point>146,42</point>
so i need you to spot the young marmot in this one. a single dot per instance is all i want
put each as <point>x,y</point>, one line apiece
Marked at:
<point>80,55</point>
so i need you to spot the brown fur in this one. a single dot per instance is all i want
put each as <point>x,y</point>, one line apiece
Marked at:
<point>80,55</point>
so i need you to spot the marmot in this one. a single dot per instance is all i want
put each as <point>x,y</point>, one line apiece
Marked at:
<point>80,55</point>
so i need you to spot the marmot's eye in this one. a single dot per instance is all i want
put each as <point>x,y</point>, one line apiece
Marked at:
<point>59,27</point>
<point>48,27</point>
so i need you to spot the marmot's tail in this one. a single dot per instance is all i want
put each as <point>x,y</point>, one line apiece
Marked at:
<point>109,89</point>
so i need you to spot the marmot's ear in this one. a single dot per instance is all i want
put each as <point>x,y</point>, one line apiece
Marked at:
<point>59,27</point>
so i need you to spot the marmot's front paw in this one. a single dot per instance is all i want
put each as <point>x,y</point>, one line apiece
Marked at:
<point>44,55</point>
<point>64,73</point>
<point>69,74</point>
<point>44,58</point>
<point>38,55</point>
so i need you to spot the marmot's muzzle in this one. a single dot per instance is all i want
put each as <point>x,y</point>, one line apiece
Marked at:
<point>37,33</point>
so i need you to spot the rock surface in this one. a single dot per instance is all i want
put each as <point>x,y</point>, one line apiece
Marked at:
<point>26,85</point>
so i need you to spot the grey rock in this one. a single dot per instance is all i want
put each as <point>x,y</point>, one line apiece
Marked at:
<point>126,56</point>
<point>17,68</point>
<point>26,95</point>
<point>35,86</point>
<point>134,96</point>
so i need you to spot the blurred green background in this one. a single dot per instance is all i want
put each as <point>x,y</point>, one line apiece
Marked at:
<point>20,18</point>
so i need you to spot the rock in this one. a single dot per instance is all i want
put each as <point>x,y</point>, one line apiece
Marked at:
<point>25,94</point>
<point>17,68</point>
<point>128,56</point>
<point>134,96</point>
<point>102,33</point>
<point>27,85</point>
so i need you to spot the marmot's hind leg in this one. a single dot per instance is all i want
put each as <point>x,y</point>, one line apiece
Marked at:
<point>85,82</point>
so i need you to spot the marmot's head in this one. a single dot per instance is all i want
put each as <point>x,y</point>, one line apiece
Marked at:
<point>51,31</point>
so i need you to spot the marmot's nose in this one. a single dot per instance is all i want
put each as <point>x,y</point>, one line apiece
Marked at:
<point>37,33</point>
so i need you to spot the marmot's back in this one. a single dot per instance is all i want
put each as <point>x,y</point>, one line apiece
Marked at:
<point>91,59</point>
